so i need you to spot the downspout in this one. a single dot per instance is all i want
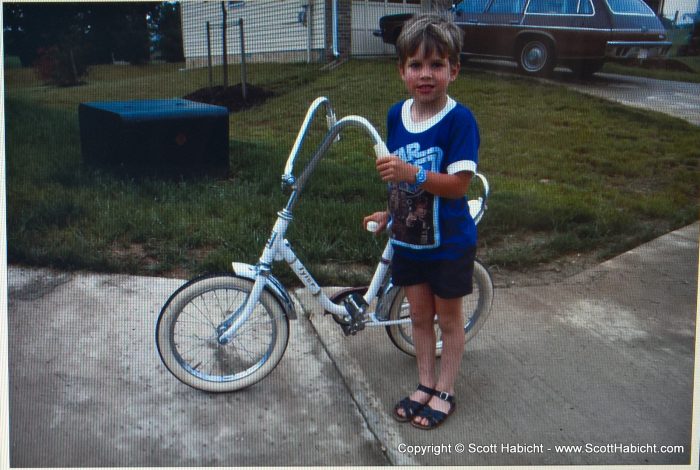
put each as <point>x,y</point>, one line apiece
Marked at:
<point>336,52</point>
<point>309,32</point>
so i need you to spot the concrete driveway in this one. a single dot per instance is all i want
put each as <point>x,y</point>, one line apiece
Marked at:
<point>677,99</point>
<point>604,359</point>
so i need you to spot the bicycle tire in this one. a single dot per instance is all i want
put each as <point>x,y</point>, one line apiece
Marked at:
<point>476,307</point>
<point>186,334</point>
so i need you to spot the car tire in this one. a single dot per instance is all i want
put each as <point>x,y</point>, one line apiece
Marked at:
<point>535,57</point>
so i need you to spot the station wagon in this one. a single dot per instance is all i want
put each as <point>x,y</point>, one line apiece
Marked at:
<point>539,34</point>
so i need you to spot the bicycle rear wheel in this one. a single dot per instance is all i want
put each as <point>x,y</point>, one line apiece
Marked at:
<point>186,334</point>
<point>476,308</point>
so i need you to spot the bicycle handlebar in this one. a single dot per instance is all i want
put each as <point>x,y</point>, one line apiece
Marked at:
<point>380,148</point>
<point>288,177</point>
<point>334,127</point>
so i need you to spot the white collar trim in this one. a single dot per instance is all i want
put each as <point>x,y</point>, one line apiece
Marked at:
<point>418,127</point>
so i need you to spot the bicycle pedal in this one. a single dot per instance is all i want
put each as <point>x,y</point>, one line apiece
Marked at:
<point>356,307</point>
<point>351,329</point>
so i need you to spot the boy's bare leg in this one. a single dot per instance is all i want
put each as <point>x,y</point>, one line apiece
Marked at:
<point>451,325</point>
<point>422,304</point>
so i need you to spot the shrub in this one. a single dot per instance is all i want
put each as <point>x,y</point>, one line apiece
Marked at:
<point>62,66</point>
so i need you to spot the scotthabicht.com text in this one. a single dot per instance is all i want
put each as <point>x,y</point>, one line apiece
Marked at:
<point>532,448</point>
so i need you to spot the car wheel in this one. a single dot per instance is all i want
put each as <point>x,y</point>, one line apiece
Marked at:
<point>536,57</point>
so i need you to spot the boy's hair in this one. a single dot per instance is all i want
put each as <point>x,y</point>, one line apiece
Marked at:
<point>434,33</point>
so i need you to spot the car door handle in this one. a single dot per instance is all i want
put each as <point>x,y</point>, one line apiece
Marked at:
<point>472,21</point>
<point>514,22</point>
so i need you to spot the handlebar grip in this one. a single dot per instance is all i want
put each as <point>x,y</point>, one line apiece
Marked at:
<point>381,150</point>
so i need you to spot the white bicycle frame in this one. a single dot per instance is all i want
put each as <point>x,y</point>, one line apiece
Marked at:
<point>279,249</point>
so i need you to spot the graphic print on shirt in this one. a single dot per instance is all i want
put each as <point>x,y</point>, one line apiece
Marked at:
<point>415,211</point>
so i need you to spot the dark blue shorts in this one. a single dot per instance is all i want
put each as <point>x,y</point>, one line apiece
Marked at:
<point>448,279</point>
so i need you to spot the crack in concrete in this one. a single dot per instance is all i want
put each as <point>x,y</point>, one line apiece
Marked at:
<point>42,285</point>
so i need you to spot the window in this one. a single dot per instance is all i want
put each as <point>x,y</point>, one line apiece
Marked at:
<point>561,7</point>
<point>585,7</point>
<point>471,6</point>
<point>546,6</point>
<point>507,6</point>
<point>630,7</point>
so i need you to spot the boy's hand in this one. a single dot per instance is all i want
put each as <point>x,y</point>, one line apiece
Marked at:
<point>394,170</point>
<point>381,218</point>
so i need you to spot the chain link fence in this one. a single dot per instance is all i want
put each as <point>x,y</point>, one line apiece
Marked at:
<point>272,31</point>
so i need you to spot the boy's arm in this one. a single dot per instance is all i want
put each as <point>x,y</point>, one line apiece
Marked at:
<point>447,186</point>
<point>394,170</point>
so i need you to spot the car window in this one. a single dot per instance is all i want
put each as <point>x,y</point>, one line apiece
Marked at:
<point>561,7</point>
<point>507,6</point>
<point>585,7</point>
<point>471,6</point>
<point>630,7</point>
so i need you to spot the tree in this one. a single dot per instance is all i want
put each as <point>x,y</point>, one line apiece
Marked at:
<point>166,27</point>
<point>119,31</point>
<point>105,30</point>
<point>34,26</point>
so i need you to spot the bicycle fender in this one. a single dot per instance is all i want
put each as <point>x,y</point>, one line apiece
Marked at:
<point>274,286</point>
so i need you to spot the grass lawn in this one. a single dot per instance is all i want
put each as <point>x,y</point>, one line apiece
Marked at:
<point>570,174</point>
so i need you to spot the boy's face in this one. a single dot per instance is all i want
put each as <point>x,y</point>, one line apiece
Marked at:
<point>427,76</point>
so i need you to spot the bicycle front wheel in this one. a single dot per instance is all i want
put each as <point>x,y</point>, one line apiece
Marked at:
<point>476,308</point>
<point>186,334</point>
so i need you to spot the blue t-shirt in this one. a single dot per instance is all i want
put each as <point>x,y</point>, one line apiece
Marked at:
<point>425,226</point>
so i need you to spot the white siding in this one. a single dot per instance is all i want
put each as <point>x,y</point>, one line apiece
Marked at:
<point>365,20</point>
<point>272,30</point>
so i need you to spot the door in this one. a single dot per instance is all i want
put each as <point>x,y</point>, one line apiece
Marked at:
<point>495,29</point>
<point>365,20</point>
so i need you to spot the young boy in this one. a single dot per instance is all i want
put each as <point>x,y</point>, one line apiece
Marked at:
<point>434,143</point>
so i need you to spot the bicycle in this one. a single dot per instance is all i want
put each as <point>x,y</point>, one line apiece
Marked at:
<point>225,332</point>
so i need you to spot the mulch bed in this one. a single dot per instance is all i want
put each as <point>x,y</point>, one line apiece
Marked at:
<point>231,97</point>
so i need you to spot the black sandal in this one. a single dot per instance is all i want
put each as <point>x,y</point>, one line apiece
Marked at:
<point>435,418</point>
<point>411,407</point>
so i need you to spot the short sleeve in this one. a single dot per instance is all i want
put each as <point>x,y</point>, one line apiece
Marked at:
<point>463,142</point>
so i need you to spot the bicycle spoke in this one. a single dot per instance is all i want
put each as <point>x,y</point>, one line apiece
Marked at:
<point>247,347</point>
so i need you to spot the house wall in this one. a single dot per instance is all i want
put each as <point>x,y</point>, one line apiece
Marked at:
<point>272,29</point>
<point>274,33</point>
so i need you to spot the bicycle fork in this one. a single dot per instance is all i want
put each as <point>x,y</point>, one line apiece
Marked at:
<point>273,249</point>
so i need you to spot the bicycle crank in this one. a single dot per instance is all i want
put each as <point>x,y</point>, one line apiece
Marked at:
<point>356,307</point>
